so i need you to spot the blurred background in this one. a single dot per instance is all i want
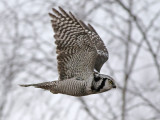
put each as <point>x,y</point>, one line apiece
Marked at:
<point>129,28</point>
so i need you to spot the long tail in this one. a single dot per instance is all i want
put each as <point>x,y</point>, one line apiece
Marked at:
<point>44,85</point>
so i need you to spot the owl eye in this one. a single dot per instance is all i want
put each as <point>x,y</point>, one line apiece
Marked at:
<point>111,82</point>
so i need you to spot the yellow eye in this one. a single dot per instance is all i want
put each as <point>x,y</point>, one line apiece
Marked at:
<point>111,82</point>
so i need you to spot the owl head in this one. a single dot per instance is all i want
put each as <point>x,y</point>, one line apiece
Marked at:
<point>102,83</point>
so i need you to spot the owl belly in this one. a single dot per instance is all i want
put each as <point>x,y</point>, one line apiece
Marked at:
<point>71,87</point>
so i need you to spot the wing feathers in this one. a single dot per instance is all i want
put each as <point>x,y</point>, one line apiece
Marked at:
<point>56,12</point>
<point>92,29</point>
<point>76,45</point>
<point>64,12</point>
<point>83,25</point>
<point>73,17</point>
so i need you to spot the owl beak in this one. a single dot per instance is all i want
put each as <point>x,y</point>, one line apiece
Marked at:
<point>114,86</point>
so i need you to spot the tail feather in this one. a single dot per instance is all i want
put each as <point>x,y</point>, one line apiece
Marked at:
<point>44,85</point>
<point>26,85</point>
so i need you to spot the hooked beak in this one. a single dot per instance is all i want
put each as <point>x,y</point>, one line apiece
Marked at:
<point>114,86</point>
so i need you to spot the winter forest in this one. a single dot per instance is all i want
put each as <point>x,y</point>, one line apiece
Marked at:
<point>130,30</point>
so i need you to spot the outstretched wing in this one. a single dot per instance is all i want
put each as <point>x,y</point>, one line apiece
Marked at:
<point>102,51</point>
<point>76,51</point>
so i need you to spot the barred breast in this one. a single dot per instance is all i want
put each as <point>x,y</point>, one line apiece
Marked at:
<point>70,87</point>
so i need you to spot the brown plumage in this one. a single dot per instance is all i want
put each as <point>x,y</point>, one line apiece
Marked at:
<point>80,50</point>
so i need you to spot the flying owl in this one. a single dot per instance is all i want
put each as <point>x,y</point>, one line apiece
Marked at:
<point>81,54</point>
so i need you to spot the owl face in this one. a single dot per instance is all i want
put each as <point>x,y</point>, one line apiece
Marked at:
<point>109,84</point>
<point>103,83</point>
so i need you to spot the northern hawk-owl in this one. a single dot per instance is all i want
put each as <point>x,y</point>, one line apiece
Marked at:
<point>81,54</point>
